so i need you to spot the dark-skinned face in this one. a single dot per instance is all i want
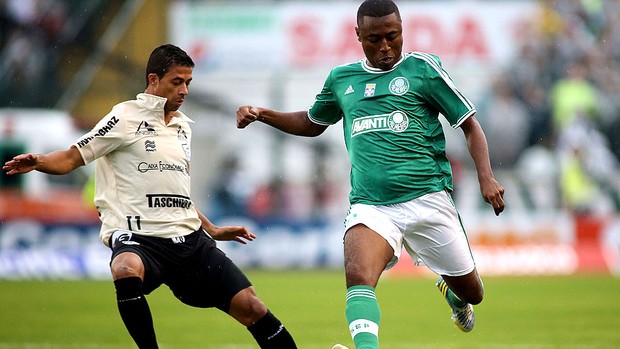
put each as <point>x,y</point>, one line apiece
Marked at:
<point>382,40</point>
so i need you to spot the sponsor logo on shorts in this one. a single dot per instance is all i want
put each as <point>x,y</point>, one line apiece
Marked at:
<point>178,239</point>
<point>168,201</point>
<point>123,237</point>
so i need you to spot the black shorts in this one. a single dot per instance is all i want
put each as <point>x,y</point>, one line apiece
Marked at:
<point>198,273</point>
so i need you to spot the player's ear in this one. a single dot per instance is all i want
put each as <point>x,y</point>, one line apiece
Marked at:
<point>357,32</point>
<point>153,79</point>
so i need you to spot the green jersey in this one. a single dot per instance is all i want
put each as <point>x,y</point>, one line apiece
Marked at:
<point>391,123</point>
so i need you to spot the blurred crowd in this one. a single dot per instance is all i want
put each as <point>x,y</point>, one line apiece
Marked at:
<point>553,114</point>
<point>319,200</point>
<point>552,117</point>
<point>35,37</point>
<point>29,33</point>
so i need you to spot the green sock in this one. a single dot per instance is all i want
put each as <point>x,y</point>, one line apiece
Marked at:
<point>363,316</point>
<point>454,299</point>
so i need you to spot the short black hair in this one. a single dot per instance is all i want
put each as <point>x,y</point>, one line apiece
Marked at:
<point>165,57</point>
<point>376,8</point>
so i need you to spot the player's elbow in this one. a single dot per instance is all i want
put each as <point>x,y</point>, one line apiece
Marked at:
<point>313,130</point>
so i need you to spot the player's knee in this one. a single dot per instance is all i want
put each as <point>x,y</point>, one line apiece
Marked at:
<point>258,309</point>
<point>473,294</point>
<point>246,307</point>
<point>126,265</point>
<point>468,288</point>
<point>476,297</point>
<point>357,274</point>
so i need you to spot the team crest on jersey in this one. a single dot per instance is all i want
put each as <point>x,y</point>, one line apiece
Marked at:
<point>369,91</point>
<point>398,121</point>
<point>399,86</point>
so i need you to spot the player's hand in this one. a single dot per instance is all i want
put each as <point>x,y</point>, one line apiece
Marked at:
<point>232,233</point>
<point>21,164</point>
<point>246,115</point>
<point>493,194</point>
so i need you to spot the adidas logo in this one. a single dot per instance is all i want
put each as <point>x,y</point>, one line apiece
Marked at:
<point>349,90</point>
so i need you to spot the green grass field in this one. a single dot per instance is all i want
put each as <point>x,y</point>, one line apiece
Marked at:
<point>522,312</point>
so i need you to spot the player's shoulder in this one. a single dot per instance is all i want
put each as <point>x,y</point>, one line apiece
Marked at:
<point>419,57</point>
<point>121,113</point>
<point>183,120</point>
<point>348,67</point>
<point>129,109</point>
<point>125,106</point>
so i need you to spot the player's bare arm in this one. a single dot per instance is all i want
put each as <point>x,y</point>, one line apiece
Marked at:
<point>491,190</point>
<point>226,233</point>
<point>236,233</point>
<point>57,163</point>
<point>295,123</point>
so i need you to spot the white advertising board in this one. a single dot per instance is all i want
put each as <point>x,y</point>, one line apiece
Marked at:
<point>297,35</point>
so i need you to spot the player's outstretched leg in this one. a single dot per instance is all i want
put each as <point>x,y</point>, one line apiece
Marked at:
<point>271,334</point>
<point>364,316</point>
<point>462,312</point>
<point>135,312</point>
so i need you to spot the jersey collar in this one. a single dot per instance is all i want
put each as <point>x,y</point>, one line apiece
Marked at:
<point>156,103</point>
<point>151,102</point>
<point>370,69</point>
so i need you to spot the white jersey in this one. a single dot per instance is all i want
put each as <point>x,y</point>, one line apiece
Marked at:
<point>142,181</point>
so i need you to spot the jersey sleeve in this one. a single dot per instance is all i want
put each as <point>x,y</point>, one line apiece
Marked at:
<point>107,135</point>
<point>443,94</point>
<point>325,110</point>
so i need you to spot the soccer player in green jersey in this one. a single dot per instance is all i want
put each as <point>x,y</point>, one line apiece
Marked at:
<point>401,179</point>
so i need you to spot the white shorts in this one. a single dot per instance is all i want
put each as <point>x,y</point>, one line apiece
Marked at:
<point>428,227</point>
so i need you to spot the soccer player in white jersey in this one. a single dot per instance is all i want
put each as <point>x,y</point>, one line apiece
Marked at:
<point>401,179</point>
<point>142,192</point>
